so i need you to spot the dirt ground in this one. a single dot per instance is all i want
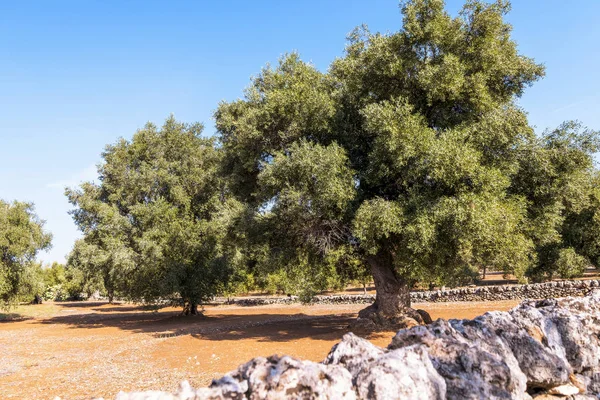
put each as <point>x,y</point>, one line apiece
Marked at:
<point>83,350</point>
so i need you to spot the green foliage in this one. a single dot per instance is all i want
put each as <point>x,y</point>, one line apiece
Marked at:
<point>410,150</point>
<point>554,261</point>
<point>306,192</point>
<point>302,278</point>
<point>280,107</point>
<point>558,179</point>
<point>570,264</point>
<point>347,267</point>
<point>87,263</point>
<point>62,283</point>
<point>55,275</point>
<point>153,225</point>
<point>376,221</point>
<point>55,293</point>
<point>22,235</point>
<point>32,283</point>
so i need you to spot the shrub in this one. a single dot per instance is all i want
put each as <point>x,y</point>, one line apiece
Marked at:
<point>55,293</point>
<point>570,264</point>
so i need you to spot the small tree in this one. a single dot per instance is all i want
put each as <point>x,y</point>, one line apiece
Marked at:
<point>156,218</point>
<point>22,236</point>
<point>32,285</point>
<point>87,263</point>
<point>62,282</point>
<point>557,178</point>
<point>350,267</point>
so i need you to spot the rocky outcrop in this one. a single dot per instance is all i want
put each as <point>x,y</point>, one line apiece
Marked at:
<point>548,349</point>
<point>482,293</point>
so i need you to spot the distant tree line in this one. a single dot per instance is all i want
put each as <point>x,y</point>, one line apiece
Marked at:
<point>408,162</point>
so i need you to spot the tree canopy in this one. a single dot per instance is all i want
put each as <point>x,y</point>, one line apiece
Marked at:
<point>153,223</point>
<point>22,236</point>
<point>413,152</point>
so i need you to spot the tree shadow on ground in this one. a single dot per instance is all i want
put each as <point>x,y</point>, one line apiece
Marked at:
<point>133,308</point>
<point>214,326</point>
<point>12,317</point>
<point>282,328</point>
<point>84,304</point>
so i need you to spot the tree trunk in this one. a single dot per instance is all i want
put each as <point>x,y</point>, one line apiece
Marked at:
<point>391,309</point>
<point>392,292</point>
<point>110,290</point>
<point>190,308</point>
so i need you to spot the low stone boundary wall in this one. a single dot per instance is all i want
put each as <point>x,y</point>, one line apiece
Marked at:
<point>545,290</point>
<point>481,293</point>
<point>546,349</point>
<point>320,299</point>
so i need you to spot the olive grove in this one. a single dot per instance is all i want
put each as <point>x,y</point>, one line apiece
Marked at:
<point>409,160</point>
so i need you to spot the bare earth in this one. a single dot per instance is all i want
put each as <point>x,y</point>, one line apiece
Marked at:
<point>84,350</point>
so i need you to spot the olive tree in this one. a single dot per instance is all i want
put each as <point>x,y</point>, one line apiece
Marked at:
<point>405,150</point>
<point>558,179</point>
<point>153,224</point>
<point>22,236</point>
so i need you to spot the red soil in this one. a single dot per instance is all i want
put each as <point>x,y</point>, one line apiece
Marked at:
<point>84,350</point>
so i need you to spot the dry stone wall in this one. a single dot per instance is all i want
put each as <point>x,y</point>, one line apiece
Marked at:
<point>481,293</point>
<point>509,292</point>
<point>547,349</point>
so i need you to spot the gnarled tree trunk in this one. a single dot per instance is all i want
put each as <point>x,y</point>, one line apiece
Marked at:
<point>392,292</point>
<point>190,308</point>
<point>391,309</point>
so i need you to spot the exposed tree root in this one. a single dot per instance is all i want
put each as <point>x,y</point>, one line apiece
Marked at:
<point>190,309</point>
<point>371,319</point>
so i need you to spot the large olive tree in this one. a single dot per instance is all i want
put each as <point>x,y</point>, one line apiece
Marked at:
<point>406,151</point>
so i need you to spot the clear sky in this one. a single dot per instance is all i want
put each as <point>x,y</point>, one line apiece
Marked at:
<point>76,75</point>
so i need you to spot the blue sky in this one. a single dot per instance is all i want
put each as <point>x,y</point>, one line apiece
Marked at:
<point>77,75</point>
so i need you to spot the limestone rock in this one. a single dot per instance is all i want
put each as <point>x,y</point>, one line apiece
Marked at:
<point>289,378</point>
<point>353,353</point>
<point>564,390</point>
<point>543,367</point>
<point>472,369</point>
<point>405,373</point>
<point>224,388</point>
<point>571,328</point>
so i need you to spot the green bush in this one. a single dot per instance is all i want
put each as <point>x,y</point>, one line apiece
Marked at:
<point>570,264</point>
<point>276,282</point>
<point>31,283</point>
<point>553,261</point>
<point>55,293</point>
<point>303,279</point>
<point>62,283</point>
